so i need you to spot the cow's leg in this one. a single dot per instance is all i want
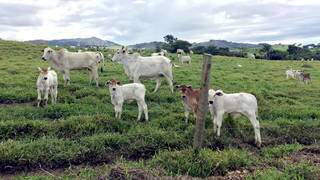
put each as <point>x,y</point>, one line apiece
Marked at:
<point>95,75</point>
<point>39,97</point>
<point>140,110</point>
<point>186,114</point>
<point>51,94</point>
<point>256,126</point>
<point>66,77</point>
<point>145,110</point>
<point>46,94</point>
<point>158,83</point>
<point>90,77</point>
<point>169,80</point>
<point>219,118</point>
<point>116,111</point>
<point>55,94</point>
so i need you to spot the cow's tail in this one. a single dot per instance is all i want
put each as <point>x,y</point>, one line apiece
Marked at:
<point>174,65</point>
<point>101,61</point>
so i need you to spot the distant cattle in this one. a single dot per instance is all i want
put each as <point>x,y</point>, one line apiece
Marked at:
<point>236,104</point>
<point>65,61</point>
<point>47,83</point>
<point>184,58</point>
<point>180,51</point>
<point>134,91</point>
<point>251,56</point>
<point>305,77</point>
<point>293,74</point>
<point>138,68</point>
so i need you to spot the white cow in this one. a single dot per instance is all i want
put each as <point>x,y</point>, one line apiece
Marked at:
<point>165,52</point>
<point>184,59</point>
<point>293,74</point>
<point>134,91</point>
<point>65,61</point>
<point>251,56</point>
<point>152,67</point>
<point>47,82</point>
<point>236,104</point>
<point>180,51</point>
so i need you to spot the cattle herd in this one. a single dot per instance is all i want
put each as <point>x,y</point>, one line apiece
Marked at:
<point>154,67</point>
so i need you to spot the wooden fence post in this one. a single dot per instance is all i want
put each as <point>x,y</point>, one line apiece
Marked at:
<point>203,103</point>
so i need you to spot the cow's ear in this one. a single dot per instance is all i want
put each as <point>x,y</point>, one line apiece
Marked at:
<point>39,69</point>
<point>118,82</point>
<point>189,86</point>
<point>107,83</point>
<point>177,86</point>
<point>42,50</point>
<point>219,93</point>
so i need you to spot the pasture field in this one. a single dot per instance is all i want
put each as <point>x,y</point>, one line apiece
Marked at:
<point>79,138</point>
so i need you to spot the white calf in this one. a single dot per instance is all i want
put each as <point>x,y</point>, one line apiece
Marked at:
<point>134,91</point>
<point>184,59</point>
<point>47,83</point>
<point>236,104</point>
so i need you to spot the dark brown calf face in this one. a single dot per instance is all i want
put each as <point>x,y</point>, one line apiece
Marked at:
<point>112,84</point>
<point>184,90</point>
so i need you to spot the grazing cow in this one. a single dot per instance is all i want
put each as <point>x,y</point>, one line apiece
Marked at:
<point>190,99</point>
<point>134,91</point>
<point>47,83</point>
<point>138,68</point>
<point>184,59</point>
<point>165,52</point>
<point>236,104</point>
<point>65,61</point>
<point>180,51</point>
<point>100,59</point>
<point>293,74</point>
<point>251,56</point>
<point>191,52</point>
<point>305,77</point>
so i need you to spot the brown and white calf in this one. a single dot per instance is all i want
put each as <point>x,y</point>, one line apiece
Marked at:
<point>190,99</point>
<point>134,91</point>
<point>47,82</point>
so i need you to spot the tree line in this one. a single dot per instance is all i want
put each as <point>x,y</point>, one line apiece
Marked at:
<point>293,52</point>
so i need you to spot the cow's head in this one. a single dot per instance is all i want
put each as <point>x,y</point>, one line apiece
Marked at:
<point>113,85</point>
<point>118,56</point>
<point>185,90</point>
<point>212,95</point>
<point>43,73</point>
<point>47,54</point>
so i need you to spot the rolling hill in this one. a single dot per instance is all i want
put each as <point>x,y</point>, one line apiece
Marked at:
<point>82,42</point>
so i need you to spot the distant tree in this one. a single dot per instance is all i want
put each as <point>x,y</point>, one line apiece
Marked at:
<point>266,50</point>
<point>170,39</point>
<point>199,49</point>
<point>180,44</point>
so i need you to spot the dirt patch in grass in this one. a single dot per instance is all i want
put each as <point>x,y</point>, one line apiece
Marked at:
<point>310,154</point>
<point>120,173</point>
<point>9,103</point>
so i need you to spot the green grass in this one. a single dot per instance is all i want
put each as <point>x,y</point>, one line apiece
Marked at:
<point>81,128</point>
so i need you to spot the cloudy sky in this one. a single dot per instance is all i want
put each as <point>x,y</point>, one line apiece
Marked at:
<point>134,21</point>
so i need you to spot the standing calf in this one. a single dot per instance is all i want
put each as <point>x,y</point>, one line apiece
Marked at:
<point>184,59</point>
<point>190,98</point>
<point>47,83</point>
<point>236,104</point>
<point>134,91</point>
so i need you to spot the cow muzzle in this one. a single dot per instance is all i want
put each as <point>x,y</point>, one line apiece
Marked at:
<point>113,89</point>
<point>210,102</point>
<point>45,78</point>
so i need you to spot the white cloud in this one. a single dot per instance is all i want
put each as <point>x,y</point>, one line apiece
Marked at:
<point>127,21</point>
